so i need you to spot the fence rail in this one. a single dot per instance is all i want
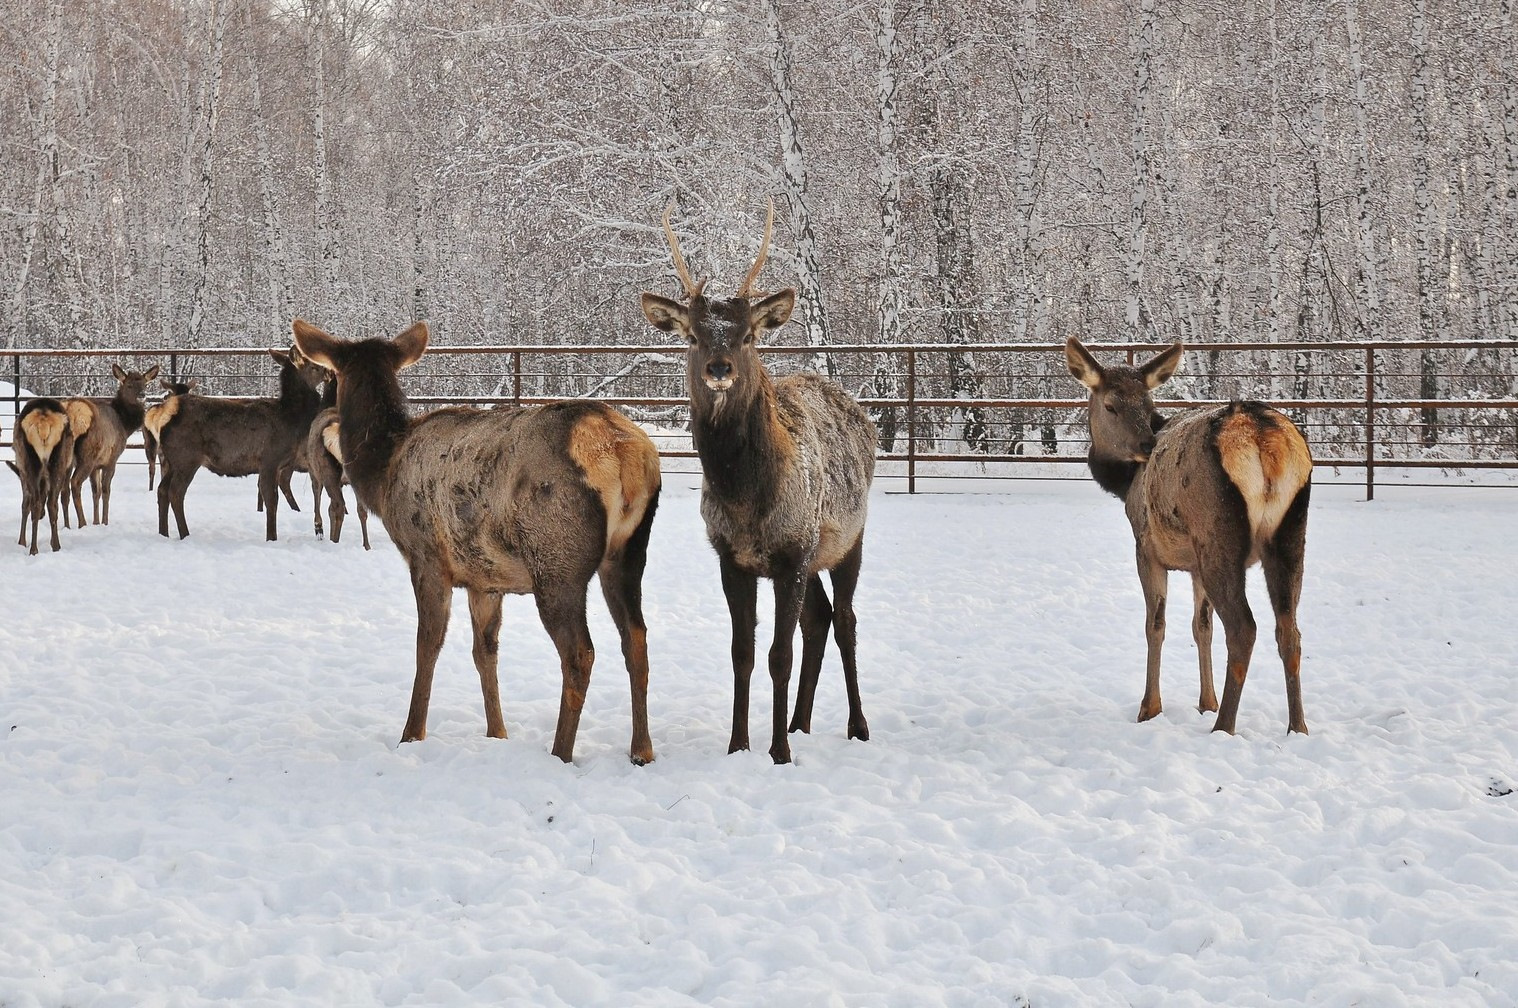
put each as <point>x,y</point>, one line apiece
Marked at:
<point>987,411</point>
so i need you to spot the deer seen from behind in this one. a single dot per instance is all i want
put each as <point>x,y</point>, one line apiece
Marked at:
<point>234,437</point>
<point>101,428</point>
<point>535,500</point>
<point>1211,491</point>
<point>786,466</point>
<point>324,460</point>
<point>44,447</point>
<point>155,416</point>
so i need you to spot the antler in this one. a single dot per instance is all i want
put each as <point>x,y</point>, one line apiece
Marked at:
<point>745,288</point>
<point>692,287</point>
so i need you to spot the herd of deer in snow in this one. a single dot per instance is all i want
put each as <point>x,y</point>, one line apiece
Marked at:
<point>540,499</point>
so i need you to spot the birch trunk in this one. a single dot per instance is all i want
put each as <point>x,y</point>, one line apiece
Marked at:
<point>211,111</point>
<point>276,260</point>
<point>1424,235</point>
<point>1136,314</point>
<point>884,381</point>
<point>814,318</point>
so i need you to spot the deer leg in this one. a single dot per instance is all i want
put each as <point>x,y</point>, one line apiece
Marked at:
<point>94,496</point>
<point>845,578</point>
<point>1154,580</point>
<point>150,449</point>
<point>316,503</point>
<point>268,493</point>
<point>107,474</point>
<point>285,475</point>
<point>336,510</point>
<point>76,485</point>
<point>51,503</point>
<point>563,613</point>
<point>485,617</point>
<point>742,591</point>
<point>433,597</point>
<point>1201,632</point>
<point>816,617</point>
<point>1224,584</point>
<point>29,513</point>
<point>790,592</point>
<point>622,587</point>
<point>171,490</point>
<point>1282,560</point>
<point>363,518</point>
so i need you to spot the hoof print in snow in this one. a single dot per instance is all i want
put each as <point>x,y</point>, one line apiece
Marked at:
<point>1498,788</point>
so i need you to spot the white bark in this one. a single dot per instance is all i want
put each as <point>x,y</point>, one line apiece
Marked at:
<point>210,114</point>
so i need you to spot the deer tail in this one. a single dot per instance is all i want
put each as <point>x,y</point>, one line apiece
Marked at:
<point>1268,460</point>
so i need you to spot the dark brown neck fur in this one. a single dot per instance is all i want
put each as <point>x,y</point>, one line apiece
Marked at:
<point>739,444</point>
<point>372,412</point>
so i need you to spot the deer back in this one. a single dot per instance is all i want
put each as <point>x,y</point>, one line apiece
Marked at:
<point>506,498</point>
<point>1225,476</point>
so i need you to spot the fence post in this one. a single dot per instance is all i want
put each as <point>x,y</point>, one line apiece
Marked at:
<point>516,377</point>
<point>1370,424</point>
<point>911,421</point>
<point>15,386</point>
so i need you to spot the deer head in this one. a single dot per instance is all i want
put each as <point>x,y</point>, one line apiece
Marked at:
<point>1121,413</point>
<point>132,383</point>
<point>723,333</point>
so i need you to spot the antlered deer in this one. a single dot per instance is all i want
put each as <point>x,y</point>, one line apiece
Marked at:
<point>534,500</point>
<point>44,446</point>
<point>1210,491</point>
<point>238,438</point>
<point>787,465</point>
<point>101,428</point>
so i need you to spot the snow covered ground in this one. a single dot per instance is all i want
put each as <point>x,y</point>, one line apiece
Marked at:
<point>204,801</point>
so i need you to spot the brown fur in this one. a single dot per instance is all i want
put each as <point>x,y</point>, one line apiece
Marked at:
<point>1210,491</point>
<point>787,465</point>
<point>102,427</point>
<point>324,460</point>
<point>154,418</point>
<point>44,451</point>
<point>238,438</point>
<point>535,500</point>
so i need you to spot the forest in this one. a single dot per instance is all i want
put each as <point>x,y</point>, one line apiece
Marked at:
<point>194,174</point>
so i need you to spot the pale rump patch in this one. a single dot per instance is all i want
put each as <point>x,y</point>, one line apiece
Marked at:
<point>330,441</point>
<point>622,465</point>
<point>81,415</point>
<point>157,416</point>
<point>1268,461</point>
<point>43,429</point>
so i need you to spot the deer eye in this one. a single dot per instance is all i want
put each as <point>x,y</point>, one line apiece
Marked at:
<point>1109,407</point>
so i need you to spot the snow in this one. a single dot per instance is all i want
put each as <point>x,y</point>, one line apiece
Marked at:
<point>205,801</point>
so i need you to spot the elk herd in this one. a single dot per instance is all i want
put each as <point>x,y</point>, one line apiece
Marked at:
<point>539,499</point>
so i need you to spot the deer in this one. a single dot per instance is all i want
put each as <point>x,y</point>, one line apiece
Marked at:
<point>155,416</point>
<point>324,459</point>
<point>786,470</point>
<point>44,447</point>
<point>101,428</point>
<point>238,438</point>
<point>1211,491</point>
<point>529,500</point>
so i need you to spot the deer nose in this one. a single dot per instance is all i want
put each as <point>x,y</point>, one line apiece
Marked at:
<point>1146,446</point>
<point>719,370</point>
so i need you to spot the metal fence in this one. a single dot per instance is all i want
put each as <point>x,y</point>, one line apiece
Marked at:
<point>949,415</point>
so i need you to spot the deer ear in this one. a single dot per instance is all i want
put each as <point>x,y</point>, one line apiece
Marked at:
<point>151,373</point>
<point>412,344</point>
<point>1158,369</point>
<point>664,313</point>
<point>117,372</point>
<point>281,357</point>
<point>315,344</point>
<point>775,310</point>
<point>1082,365</point>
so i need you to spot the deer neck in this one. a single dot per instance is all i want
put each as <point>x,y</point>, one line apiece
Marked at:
<point>1113,475</point>
<point>740,440</point>
<point>129,410</point>
<point>374,424</point>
